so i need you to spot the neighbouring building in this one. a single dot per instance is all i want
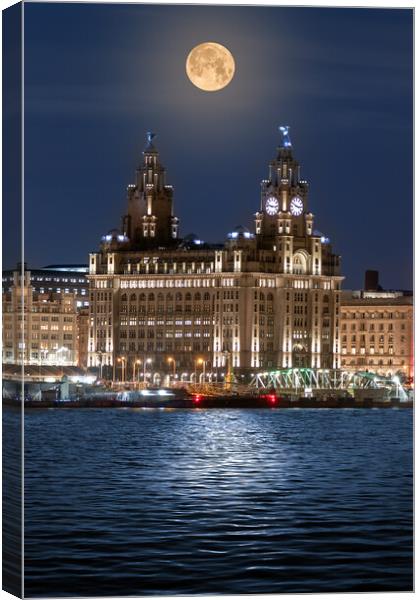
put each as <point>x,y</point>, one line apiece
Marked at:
<point>263,300</point>
<point>57,279</point>
<point>82,337</point>
<point>377,330</point>
<point>38,328</point>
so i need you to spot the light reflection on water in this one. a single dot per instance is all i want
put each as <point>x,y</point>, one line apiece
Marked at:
<point>217,501</point>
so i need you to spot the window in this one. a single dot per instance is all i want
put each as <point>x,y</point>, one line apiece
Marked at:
<point>299,264</point>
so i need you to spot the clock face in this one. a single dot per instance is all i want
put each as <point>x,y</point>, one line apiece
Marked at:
<point>296,206</point>
<point>271,205</point>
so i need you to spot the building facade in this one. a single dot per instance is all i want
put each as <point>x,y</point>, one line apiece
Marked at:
<point>56,279</point>
<point>38,328</point>
<point>377,332</point>
<point>82,337</point>
<point>263,300</point>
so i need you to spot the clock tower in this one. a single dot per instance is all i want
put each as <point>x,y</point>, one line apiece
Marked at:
<point>258,302</point>
<point>283,208</point>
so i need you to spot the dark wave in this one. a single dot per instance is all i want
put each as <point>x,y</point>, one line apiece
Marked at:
<point>132,502</point>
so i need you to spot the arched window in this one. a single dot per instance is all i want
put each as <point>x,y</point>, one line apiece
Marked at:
<point>270,297</point>
<point>160,297</point>
<point>178,297</point>
<point>169,297</point>
<point>197,296</point>
<point>151,297</point>
<point>206,296</point>
<point>133,298</point>
<point>142,298</point>
<point>188,297</point>
<point>299,264</point>
<point>124,298</point>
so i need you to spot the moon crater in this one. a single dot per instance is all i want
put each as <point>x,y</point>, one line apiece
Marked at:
<point>210,66</point>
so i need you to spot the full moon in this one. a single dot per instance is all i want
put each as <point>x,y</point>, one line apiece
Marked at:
<point>210,66</point>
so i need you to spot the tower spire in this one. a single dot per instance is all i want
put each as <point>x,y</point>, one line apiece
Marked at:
<point>286,142</point>
<point>150,221</point>
<point>149,142</point>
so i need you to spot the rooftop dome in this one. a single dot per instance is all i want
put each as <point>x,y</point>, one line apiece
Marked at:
<point>114,236</point>
<point>193,238</point>
<point>324,238</point>
<point>240,232</point>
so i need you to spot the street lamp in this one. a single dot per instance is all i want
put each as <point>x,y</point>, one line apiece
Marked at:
<point>99,353</point>
<point>148,361</point>
<point>44,355</point>
<point>138,363</point>
<point>173,361</point>
<point>201,361</point>
<point>122,360</point>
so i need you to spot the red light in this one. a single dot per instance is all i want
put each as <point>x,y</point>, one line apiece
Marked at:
<point>197,398</point>
<point>272,398</point>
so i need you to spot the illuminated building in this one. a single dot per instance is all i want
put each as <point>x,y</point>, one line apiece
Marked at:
<point>38,328</point>
<point>57,279</point>
<point>82,337</point>
<point>262,300</point>
<point>50,290</point>
<point>377,331</point>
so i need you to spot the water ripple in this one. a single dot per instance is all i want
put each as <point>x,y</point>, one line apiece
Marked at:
<point>186,502</point>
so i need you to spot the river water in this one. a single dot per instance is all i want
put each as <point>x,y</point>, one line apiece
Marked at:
<point>138,502</point>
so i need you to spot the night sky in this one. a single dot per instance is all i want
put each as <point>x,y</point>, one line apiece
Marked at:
<point>97,77</point>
